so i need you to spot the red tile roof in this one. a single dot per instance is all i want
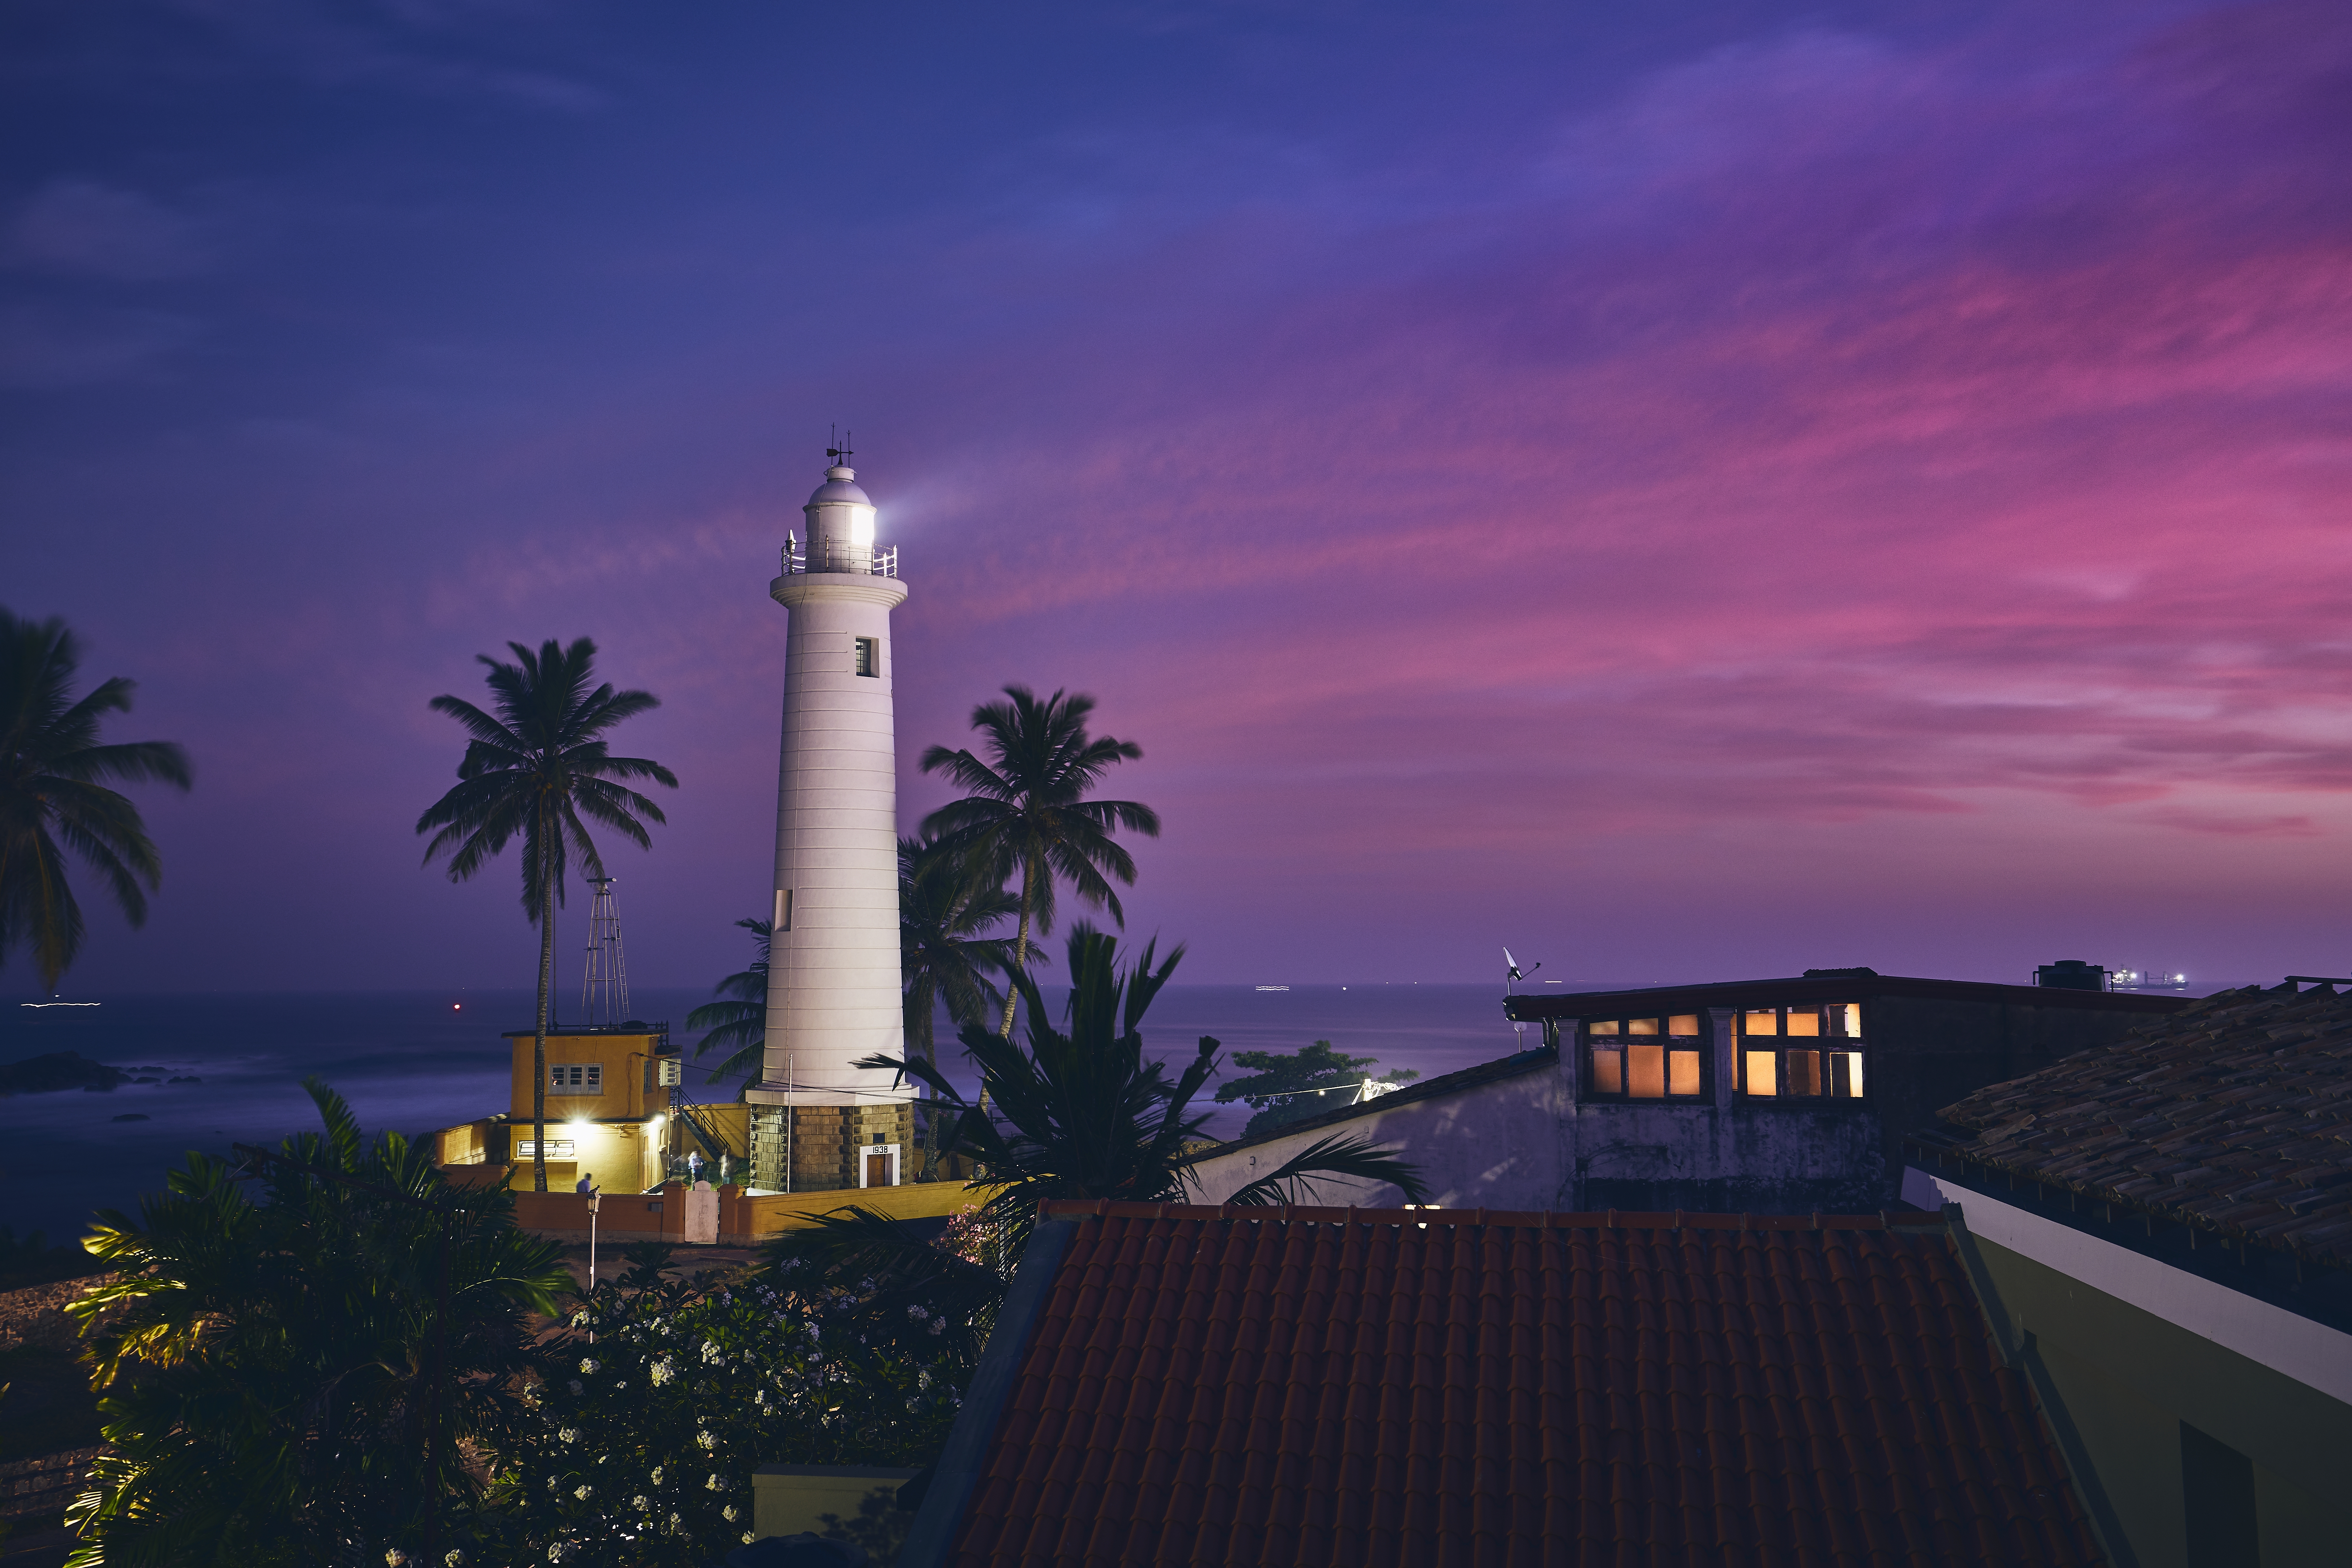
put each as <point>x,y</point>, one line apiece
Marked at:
<point>1443,1388</point>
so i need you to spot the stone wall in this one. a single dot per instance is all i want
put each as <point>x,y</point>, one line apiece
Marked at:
<point>35,1315</point>
<point>826,1143</point>
<point>36,1488</point>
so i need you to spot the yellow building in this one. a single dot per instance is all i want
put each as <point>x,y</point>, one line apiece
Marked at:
<point>608,1116</point>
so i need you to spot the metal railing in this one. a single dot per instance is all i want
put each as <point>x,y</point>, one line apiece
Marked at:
<point>870,561</point>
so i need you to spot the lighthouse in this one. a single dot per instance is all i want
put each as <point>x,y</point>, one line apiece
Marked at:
<point>819,1123</point>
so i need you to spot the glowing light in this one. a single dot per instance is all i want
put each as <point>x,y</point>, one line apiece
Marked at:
<point>454,1006</point>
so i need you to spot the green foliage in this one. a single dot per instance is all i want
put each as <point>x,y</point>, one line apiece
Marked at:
<point>738,1021</point>
<point>272,1364</point>
<point>1028,812</point>
<point>662,1397</point>
<point>1292,1086</point>
<point>53,795</point>
<point>1082,1114</point>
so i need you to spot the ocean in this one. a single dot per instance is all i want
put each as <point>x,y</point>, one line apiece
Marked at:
<point>414,1061</point>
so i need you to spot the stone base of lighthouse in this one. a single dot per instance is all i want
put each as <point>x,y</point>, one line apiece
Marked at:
<point>829,1148</point>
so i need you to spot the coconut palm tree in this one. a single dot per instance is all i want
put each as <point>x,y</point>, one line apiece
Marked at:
<point>1029,812</point>
<point>738,1021</point>
<point>532,772</point>
<point>53,795</point>
<point>943,906</point>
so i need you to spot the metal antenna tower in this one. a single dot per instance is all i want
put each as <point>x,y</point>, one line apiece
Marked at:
<point>605,992</point>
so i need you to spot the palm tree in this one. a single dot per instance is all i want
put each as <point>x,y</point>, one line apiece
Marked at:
<point>532,772</point>
<point>738,1022</point>
<point>943,908</point>
<point>1030,811</point>
<point>293,1375</point>
<point>1081,1114</point>
<point>53,795</point>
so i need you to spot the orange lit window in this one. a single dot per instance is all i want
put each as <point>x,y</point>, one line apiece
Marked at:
<point>1643,1059</point>
<point>1769,1069</point>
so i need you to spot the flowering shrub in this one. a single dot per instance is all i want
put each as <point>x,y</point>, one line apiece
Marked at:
<point>646,1456</point>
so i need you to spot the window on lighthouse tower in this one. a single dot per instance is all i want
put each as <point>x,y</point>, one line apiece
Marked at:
<point>869,656</point>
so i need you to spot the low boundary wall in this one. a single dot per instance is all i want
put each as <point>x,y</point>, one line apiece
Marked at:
<point>745,1219</point>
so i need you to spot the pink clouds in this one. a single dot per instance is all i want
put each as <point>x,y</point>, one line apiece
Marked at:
<point>1890,479</point>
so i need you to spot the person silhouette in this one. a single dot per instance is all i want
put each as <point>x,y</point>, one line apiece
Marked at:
<point>586,1183</point>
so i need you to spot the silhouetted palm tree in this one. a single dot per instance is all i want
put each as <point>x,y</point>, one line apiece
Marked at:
<point>1029,812</point>
<point>945,901</point>
<point>738,1022</point>
<point>530,773</point>
<point>1081,1114</point>
<point>53,795</point>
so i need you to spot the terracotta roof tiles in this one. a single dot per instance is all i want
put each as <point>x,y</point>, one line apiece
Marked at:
<point>1462,1389</point>
<point>2235,1113</point>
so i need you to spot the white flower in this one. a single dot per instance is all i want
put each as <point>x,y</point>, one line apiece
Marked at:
<point>712,1353</point>
<point>559,1552</point>
<point>394,1557</point>
<point>454,1559</point>
<point>673,1522</point>
<point>553,1483</point>
<point>727,1514</point>
<point>618,1384</point>
<point>580,1319</point>
<point>662,1371</point>
<point>638,1501</point>
<point>923,1378</point>
<point>567,1434</point>
<point>657,1469</point>
<point>917,1313</point>
<point>747,1538</point>
<point>584,1493</point>
<point>939,1325</point>
<point>706,1439</point>
<point>714,1484</point>
<point>588,1365</point>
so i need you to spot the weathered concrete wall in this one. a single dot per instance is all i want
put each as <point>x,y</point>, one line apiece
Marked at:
<point>1523,1143</point>
<point>1735,1159</point>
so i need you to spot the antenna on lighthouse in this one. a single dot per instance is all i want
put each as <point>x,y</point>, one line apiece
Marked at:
<point>605,992</point>
<point>841,452</point>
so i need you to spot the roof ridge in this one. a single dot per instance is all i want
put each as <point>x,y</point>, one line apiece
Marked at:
<point>1542,1219</point>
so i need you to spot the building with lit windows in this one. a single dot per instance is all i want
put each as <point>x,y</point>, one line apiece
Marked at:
<point>1782,1096</point>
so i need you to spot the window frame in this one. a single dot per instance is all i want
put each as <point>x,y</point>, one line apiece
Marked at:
<point>1700,1045</point>
<point>866,657</point>
<point>592,1080</point>
<point>1826,1046</point>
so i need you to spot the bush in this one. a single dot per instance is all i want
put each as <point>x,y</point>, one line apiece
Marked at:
<point>661,1398</point>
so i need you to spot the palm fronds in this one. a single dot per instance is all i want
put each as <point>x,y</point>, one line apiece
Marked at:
<point>53,799</point>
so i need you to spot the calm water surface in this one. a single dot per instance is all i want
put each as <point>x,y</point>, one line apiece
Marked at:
<point>412,1061</point>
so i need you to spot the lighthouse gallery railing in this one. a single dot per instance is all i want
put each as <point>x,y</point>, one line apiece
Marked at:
<point>839,557</point>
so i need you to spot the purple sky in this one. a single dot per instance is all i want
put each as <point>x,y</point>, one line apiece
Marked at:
<point>1685,490</point>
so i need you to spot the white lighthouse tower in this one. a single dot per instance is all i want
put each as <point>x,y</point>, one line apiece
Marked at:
<point>834,989</point>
